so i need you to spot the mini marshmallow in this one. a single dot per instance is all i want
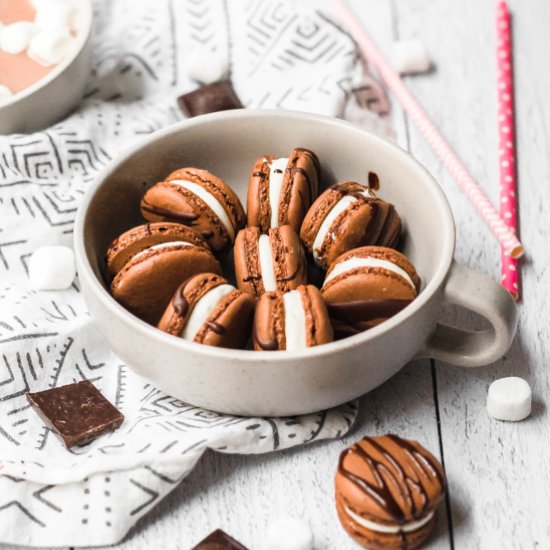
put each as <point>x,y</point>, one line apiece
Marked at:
<point>15,38</point>
<point>206,67</point>
<point>5,94</point>
<point>410,57</point>
<point>509,399</point>
<point>288,534</point>
<point>54,16</point>
<point>52,268</point>
<point>49,48</point>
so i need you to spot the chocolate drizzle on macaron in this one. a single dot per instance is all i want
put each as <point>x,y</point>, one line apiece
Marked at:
<point>199,199</point>
<point>206,309</point>
<point>282,189</point>
<point>348,215</point>
<point>387,491</point>
<point>366,286</point>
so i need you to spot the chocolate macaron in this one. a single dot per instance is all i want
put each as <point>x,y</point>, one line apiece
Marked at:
<point>387,492</point>
<point>366,286</point>
<point>282,189</point>
<point>208,310</point>
<point>346,216</point>
<point>291,321</point>
<point>269,262</point>
<point>200,200</point>
<point>146,264</point>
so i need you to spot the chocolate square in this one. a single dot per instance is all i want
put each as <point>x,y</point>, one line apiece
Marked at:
<point>219,540</point>
<point>219,96</point>
<point>76,413</point>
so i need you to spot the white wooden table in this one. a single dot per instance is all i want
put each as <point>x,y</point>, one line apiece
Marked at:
<point>498,473</point>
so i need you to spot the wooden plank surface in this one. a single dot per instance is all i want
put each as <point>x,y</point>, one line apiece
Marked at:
<point>498,472</point>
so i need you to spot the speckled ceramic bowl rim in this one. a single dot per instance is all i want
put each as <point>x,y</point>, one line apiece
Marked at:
<point>148,331</point>
<point>81,39</point>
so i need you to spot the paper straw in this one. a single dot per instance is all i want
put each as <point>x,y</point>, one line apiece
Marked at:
<point>442,149</point>
<point>507,145</point>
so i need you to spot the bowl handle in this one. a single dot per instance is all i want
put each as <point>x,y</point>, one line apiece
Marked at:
<point>482,295</point>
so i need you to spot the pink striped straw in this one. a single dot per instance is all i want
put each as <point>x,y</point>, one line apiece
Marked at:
<point>442,149</point>
<point>507,146</point>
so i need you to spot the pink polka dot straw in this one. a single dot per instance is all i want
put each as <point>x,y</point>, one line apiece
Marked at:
<point>441,148</point>
<point>507,145</point>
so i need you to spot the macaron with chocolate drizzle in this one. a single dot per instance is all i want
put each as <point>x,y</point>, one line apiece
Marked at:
<point>200,200</point>
<point>387,492</point>
<point>366,286</point>
<point>146,264</point>
<point>282,189</point>
<point>208,310</point>
<point>348,215</point>
<point>269,262</point>
<point>291,321</point>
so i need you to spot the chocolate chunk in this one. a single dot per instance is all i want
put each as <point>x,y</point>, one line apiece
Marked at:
<point>219,96</point>
<point>76,413</point>
<point>219,540</point>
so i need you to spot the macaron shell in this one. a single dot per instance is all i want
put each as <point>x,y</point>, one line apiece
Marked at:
<point>268,328</point>
<point>138,238</point>
<point>318,326</point>
<point>146,284</point>
<point>300,187</point>
<point>288,258</point>
<point>257,199</point>
<point>381,541</point>
<point>247,262</point>
<point>229,325</point>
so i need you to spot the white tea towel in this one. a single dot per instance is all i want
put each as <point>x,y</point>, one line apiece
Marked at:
<point>279,55</point>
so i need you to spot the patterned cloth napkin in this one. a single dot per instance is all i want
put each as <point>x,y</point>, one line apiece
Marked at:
<point>280,56</point>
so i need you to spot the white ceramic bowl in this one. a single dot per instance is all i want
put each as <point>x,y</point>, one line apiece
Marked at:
<point>60,91</point>
<point>288,383</point>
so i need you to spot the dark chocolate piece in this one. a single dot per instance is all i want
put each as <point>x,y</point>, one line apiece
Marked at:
<point>76,413</point>
<point>219,540</point>
<point>219,96</point>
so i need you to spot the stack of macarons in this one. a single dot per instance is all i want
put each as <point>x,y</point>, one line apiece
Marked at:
<point>167,272</point>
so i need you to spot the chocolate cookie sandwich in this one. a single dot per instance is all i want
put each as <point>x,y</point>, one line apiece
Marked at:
<point>200,200</point>
<point>291,321</point>
<point>282,189</point>
<point>146,264</point>
<point>346,216</point>
<point>207,310</point>
<point>269,262</point>
<point>387,492</point>
<point>366,286</point>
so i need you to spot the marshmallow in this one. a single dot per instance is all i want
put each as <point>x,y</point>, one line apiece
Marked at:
<point>288,534</point>
<point>410,57</point>
<point>206,67</point>
<point>15,38</point>
<point>52,268</point>
<point>509,399</point>
<point>49,48</point>
<point>54,16</point>
<point>5,94</point>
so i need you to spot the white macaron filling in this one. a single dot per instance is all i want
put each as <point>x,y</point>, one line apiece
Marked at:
<point>356,262</point>
<point>372,526</point>
<point>266,264</point>
<point>161,245</point>
<point>203,308</point>
<point>277,170</point>
<point>211,201</point>
<point>336,210</point>
<point>295,321</point>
